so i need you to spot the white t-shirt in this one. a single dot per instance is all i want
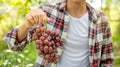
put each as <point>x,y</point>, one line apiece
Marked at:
<point>76,48</point>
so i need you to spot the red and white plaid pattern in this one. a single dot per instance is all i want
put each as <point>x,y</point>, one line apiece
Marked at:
<point>100,40</point>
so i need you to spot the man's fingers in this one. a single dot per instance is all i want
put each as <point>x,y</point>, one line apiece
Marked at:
<point>39,16</point>
<point>45,18</point>
<point>29,18</point>
<point>40,19</point>
<point>34,16</point>
<point>36,10</point>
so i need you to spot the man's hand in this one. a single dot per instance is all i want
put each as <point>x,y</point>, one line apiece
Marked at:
<point>35,17</point>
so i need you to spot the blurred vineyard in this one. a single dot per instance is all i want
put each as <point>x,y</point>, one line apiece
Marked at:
<point>12,13</point>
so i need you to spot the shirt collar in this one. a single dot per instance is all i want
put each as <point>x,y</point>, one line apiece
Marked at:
<point>93,13</point>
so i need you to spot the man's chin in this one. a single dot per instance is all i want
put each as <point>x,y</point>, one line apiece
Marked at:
<point>77,1</point>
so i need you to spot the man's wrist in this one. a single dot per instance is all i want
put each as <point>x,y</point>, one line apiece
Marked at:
<point>25,26</point>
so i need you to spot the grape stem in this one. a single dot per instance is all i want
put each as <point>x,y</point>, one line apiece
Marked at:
<point>46,23</point>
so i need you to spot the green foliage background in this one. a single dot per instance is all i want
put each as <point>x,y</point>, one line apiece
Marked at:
<point>12,13</point>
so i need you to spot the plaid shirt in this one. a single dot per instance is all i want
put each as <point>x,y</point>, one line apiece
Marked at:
<point>100,40</point>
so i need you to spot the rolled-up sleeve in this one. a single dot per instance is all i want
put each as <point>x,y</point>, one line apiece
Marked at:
<point>11,39</point>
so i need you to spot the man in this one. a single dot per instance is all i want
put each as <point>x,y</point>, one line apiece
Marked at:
<point>84,30</point>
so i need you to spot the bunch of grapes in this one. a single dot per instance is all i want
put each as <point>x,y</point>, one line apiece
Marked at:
<point>47,43</point>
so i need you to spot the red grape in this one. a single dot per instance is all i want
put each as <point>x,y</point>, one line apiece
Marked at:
<point>42,29</point>
<point>47,56</point>
<point>34,38</point>
<point>37,41</point>
<point>45,35</point>
<point>57,44</point>
<point>42,38</point>
<point>52,33</point>
<point>47,43</point>
<point>57,38</point>
<point>48,32</point>
<point>46,49</point>
<point>37,30</point>
<point>50,50</point>
<point>38,46</point>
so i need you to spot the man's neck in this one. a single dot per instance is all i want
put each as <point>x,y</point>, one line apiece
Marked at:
<point>76,9</point>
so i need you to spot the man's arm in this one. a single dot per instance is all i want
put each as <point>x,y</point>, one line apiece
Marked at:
<point>34,18</point>
<point>20,36</point>
<point>22,30</point>
<point>13,43</point>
